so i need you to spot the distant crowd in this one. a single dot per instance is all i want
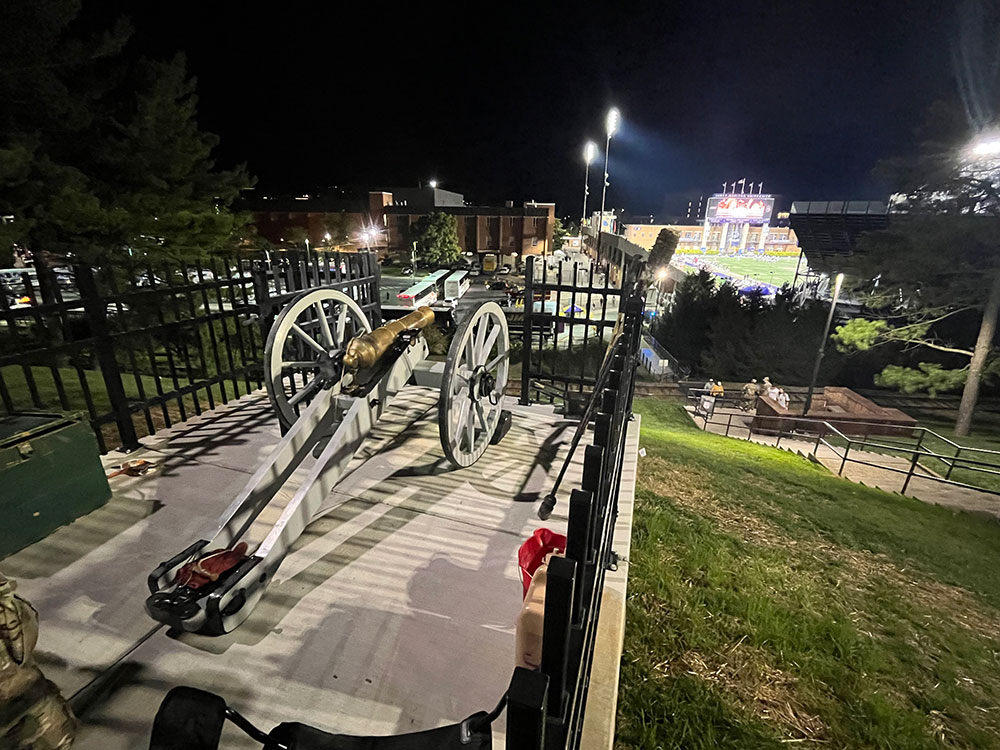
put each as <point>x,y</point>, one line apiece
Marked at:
<point>750,392</point>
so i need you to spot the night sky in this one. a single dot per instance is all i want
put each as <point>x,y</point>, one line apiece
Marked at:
<point>496,100</point>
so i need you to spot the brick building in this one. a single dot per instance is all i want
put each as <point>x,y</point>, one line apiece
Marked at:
<point>386,221</point>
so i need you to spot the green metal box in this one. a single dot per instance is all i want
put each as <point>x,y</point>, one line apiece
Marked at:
<point>50,475</point>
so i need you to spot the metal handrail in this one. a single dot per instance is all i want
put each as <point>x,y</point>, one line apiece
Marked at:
<point>914,451</point>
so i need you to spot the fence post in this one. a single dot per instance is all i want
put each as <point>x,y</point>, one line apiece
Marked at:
<point>913,462</point>
<point>104,348</point>
<point>579,544</point>
<point>527,705</point>
<point>909,474</point>
<point>556,634</point>
<point>951,464</point>
<point>529,306</point>
<point>847,449</point>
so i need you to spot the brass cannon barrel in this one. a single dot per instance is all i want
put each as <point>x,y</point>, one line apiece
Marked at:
<point>366,349</point>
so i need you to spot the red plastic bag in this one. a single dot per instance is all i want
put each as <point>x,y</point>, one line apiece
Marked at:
<point>532,553</point>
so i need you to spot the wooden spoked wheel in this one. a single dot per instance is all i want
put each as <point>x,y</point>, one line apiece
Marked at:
<point>304,348</point>
<point>475,377</point>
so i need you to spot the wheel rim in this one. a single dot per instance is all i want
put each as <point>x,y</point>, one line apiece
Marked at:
<point>304,347</point>
<point>475,378</point>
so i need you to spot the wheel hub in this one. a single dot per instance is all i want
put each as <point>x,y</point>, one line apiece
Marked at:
<point>481,384</point>
<point>330,367</point>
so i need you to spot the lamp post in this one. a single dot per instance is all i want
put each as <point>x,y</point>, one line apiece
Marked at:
<point>611,123</point>
<point>822,343</point>
<point>589,154</point>
<point>661,276</point>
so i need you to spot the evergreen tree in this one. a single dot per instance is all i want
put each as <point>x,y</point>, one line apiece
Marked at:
<point>559,234</point>
<point>437,240</point>
<point>663,249</point>
<point>99,156</point>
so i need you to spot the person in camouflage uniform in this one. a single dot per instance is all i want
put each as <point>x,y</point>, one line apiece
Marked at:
<point>749,394</point>
<point>33,715</point>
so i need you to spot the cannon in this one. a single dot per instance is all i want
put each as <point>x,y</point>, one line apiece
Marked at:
<point>329,377</point>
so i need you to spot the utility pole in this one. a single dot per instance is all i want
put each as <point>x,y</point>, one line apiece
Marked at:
<point>822,343</point>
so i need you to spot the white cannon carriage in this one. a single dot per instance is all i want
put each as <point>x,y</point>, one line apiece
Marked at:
<point>329,377</point>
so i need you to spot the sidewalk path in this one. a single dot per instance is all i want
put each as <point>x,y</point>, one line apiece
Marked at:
<point>884,474</point>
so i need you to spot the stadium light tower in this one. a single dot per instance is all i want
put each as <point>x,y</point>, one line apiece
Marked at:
<point>611,123</point>
<point>822,343</point>
<point>589,154</point>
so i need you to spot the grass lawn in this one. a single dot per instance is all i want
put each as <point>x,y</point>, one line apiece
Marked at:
<point>777,271</point>
<point>16,383</point>
<point>772,604</point>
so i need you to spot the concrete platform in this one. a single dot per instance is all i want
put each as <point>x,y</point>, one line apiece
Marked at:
<point>394,612</point>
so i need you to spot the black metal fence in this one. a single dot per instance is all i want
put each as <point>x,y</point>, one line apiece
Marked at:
<point>570,311</point>
<point>141,346</point>
<point>545,708</point>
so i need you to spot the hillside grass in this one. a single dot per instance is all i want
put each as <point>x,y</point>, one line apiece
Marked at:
<point>772,604</point>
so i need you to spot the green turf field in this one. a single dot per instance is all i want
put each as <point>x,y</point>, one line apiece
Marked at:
<point>775,271</point>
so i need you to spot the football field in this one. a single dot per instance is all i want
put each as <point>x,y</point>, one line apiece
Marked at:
<point>775,271</point>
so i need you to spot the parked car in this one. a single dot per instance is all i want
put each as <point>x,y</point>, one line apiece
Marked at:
<point>505,268</point>
<point>406,271</point>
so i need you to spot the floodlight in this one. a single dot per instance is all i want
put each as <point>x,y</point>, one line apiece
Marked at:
<point>613,120</point>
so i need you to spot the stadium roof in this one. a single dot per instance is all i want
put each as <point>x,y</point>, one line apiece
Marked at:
<point>828,231</point>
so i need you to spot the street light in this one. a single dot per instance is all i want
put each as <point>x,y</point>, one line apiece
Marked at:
<point>589,154</point>
<point>611,123</point>
<point>433,183</point>
<point>661,276</point>
<point>822,343</point>
<point>985,145</point>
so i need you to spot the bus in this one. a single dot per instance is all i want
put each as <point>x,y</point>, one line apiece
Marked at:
<point>456,285</point>
<point>437,279</point>
<point>422,293</point>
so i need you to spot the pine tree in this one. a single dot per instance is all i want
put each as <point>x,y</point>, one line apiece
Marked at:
<point>663,249</point>
<point>100,157</point>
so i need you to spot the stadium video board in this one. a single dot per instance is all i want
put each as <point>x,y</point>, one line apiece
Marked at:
<point>732,208</point>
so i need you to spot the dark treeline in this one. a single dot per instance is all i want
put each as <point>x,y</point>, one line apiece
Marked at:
<point>718,332</point>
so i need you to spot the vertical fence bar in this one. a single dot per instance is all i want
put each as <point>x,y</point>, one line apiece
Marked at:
<point>913,462</point>
<point>951,464</point>
<point>527,706</point>
<point>189,295</point>
<point>579,540</point>
<point>559,590</point>
<point>96,310</point>
<point>227,340</point>
<point>212,338</point>
<point>130,350</point>
<point>529,306</point>
<point>178,330</point>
